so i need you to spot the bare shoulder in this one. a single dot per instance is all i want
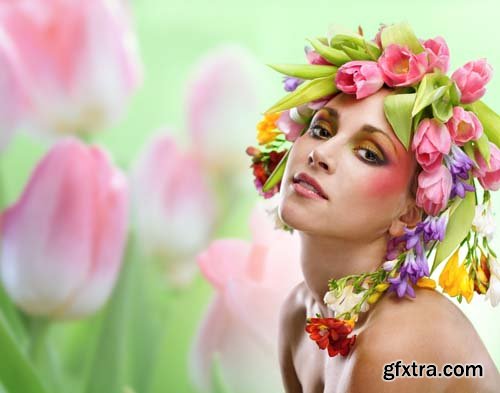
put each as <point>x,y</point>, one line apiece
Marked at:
<point>291,316</point>
<point>419,337</point>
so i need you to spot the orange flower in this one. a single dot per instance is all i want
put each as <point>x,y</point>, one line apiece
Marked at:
<point>331,334</point>
<point>482,279</point>
<point>426,282</point>
<point>267,131</point>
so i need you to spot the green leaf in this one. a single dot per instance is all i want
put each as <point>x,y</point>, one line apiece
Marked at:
<point>16,372</point>
<point>430,89</point>
<point>334,56</point>
<point>469,150</point>
<point>442,108</point>
<point>373,50</point>
<point>304,71</point>
<point>306,92</point>
<point>484,148</point>
<point>13,318</point>
<point>108,370</point>
<point>489,119</point>
<point>401,34</point>
<point>424,113</point>
<point>398,108</point>
<point>459,225</point>
<point>356,54</point>
<point>277,174</point>
<point>352,40</point>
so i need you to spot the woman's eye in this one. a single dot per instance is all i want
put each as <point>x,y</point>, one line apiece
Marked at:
<point>319,132</point>
<point>370,156</point>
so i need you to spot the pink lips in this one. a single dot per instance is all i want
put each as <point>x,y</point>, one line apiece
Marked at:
<point>316,192</point>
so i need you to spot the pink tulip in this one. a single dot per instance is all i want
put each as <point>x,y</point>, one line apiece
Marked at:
<point>314,57</point>
<point>378,37</point>
<point>430,142</point>
<point>173,206</point>
<point>471,79</point>
<point>62,241</point>
<point>489,177</point>
<point>251,280</point>
<point>77,60</point>
<point>401,67</point>
<point>434,190</point>
<point>362,78</point>
<point>222,99</point>
<point>12,98</point>
<point>464,126</point>
<point>438,54</point>
<point>290,128</point>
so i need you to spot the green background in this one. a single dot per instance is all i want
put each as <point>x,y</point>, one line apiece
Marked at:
<point>173,36</point>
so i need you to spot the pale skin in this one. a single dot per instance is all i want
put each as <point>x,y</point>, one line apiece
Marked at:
<point>367,178</point>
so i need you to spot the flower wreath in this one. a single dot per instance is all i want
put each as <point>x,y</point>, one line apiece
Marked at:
<point>456,140</point>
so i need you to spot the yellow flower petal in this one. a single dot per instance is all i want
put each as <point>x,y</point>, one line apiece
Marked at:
<point>426,282</point>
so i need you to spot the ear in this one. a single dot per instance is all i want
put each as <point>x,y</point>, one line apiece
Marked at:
<point>411,217</point>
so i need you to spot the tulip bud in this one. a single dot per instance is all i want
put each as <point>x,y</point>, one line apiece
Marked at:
<point>174,208</point>
<point>62,241</point>
<point>77,59</point>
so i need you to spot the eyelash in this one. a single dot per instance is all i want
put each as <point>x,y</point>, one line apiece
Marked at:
<point>377,161</point>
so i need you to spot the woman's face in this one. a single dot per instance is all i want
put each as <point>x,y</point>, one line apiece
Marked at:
<point>365,172</point>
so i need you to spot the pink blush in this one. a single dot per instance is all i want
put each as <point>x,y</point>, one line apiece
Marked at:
<point>388,182</point>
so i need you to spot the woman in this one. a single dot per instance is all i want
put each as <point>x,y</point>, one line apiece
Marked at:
<point>382,180</point>
<point>367,178</point>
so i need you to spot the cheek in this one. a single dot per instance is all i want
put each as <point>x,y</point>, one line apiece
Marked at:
<point>388,182</point>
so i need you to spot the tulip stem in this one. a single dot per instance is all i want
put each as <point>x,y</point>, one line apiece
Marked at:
<point>38,328</point>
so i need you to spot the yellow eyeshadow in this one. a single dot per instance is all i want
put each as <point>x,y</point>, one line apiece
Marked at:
<point>371,146</point>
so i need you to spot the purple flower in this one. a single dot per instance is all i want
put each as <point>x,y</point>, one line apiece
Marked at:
<point>434,227</point>
<point>401,286</point>
<point>459,165</point>
<point>414,267</point>
<point>291,83</point>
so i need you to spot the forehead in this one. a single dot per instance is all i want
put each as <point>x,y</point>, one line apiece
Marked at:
<point>368,110</point>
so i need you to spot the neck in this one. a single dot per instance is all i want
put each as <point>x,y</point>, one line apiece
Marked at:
<point>325,258</point>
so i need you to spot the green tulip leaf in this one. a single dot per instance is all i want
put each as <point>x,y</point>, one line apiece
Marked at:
<point>431,88</point>
<point>469,150</point>
<point>489,119</point>
<point>334,56</point>
<point>459,225</point>
<point>356,54</point>
<point>484,148</point>
<point>398,108</point>
<point>442,107</point>
<point>16,372</point>
<point>401,34</point>
<point>304,71</point>
<point>308,91</point>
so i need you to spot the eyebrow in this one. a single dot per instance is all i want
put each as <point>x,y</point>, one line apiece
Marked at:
<point>366,127</point>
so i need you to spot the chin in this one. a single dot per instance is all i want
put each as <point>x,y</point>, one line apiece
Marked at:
<point>296,214</point>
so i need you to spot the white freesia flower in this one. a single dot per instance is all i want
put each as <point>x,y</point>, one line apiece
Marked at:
<point>271,206</point>
<point>493,293</point>
<point>389,265</point>
<point>345,301</point>
<point>484,221</point>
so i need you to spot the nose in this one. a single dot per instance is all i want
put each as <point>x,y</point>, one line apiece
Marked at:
<point>317,158</point>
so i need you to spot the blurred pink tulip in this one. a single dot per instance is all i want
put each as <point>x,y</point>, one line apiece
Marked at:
<point>221,102</point>
<point>77,60</point>
<point>12,99</point>
<point>173,206</point>
<point>62,241</point>
<point>241,324</point>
